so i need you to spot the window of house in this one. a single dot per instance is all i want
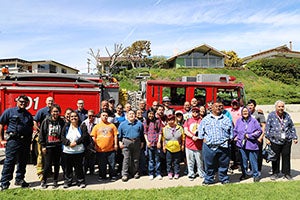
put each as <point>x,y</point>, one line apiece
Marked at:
<point>43,68</point>
<point>52,68</point>
<point>64,71</point>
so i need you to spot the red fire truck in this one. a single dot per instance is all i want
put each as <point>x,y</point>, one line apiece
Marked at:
<point>204,87</point>
<point>66,89</point>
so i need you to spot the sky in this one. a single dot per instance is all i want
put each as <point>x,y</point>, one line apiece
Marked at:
<point>65,30</point>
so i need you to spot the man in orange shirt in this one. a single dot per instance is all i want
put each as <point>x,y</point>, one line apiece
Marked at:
<point>106,144</point>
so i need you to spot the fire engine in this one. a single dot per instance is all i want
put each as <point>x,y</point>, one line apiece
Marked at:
<point>66,89</point>
<point>204,87</point>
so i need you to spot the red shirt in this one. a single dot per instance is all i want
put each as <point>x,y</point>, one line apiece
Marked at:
<point>192,125</point>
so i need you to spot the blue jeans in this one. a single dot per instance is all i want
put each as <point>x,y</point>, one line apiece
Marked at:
<point>173,159</point>
<point>105,158</point>
<point>16,151</point>
<point>216,159</point>
<point>193,156</point>
<point>250,155</point>
<point>154,161</point>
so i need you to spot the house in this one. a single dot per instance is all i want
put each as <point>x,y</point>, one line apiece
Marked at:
<point>203,56</point>
<point>282,51</point>
<point>16,65</point>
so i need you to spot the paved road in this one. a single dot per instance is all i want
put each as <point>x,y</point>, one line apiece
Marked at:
<point>145,183</point>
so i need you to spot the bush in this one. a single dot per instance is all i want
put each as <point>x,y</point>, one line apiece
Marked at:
<point>278,69</point>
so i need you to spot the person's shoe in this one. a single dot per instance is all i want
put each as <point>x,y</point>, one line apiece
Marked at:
<point>66,185</point>
<point>82,185</point>
<point>191,178</point>
<point>3,187</point>
<point>244,177</point>
<point>100,179</point>
<point>43,185</point>
<point>288,177</point>
<point>206,183</point>
<point>151,177</point>
<point>22,183</point>
<point>225,182</point>
<point>159,177</point>
<point>113,178</point>
<point>170,176</point>
<point>274,177</point>
<point>137,176</point>
<point>124,178</point>
<point>176,176</point>
<point>55,185</point>
<point>256,179</point>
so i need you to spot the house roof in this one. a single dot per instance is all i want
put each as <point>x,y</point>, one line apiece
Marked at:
<point>203,48</point>
<point>49,61</point>
<point>280,50</point>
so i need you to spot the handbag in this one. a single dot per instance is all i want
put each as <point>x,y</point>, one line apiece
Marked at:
<point>268,154</point>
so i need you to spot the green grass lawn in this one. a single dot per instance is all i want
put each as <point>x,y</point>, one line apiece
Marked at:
<point>263,190</point>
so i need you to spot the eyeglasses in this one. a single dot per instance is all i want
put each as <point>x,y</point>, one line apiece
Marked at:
<point>195,111</point>
<point>22,102</point>
<point>91,116</point>
<point>73,116</point>
<point>56,111</point>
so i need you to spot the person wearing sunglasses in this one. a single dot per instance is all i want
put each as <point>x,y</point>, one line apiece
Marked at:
<point>19,124</point>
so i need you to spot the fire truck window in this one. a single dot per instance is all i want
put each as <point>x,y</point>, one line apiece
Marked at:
<point>227,95</point>
<point>177,95</point>
<point>200,95</point>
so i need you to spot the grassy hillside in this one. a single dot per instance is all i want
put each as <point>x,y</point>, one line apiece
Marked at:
<point>262,89</point>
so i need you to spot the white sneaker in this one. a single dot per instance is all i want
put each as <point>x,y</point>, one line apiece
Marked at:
<point>151,177</point>
<point>159,177</point>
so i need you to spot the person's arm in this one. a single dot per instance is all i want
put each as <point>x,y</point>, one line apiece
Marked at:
<point>2,141</point>
<point>115,137</point>
<point>43,135</point>
<point>120,137</point>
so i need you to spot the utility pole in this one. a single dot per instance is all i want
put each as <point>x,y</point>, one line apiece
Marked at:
<point>88,63</point>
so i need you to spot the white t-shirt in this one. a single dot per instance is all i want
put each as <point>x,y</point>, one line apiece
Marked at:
<point>73,135</point>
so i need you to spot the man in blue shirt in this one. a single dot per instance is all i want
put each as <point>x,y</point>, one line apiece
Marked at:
<point>131,137</point>
<point>82,112</point>
<point>19,124</point>
<point>216,130</point>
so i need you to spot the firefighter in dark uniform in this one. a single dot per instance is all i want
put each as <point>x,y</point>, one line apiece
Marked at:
<point>18,134</point>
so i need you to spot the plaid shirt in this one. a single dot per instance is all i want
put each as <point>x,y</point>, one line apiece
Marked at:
<point>152,131</point>
<point>216,130</point>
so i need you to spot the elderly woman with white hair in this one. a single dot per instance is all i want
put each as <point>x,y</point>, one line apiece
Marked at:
<point>280,132</point>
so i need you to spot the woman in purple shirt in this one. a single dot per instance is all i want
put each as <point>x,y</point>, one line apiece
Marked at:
<point>246,132</point>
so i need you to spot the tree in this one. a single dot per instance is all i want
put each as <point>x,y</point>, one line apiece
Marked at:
<point>118,50</point>
<point>137,52</point>
<point>232,59</point>
<point>95,61</point>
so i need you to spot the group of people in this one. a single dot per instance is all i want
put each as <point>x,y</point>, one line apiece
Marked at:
<point>154,141</point>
